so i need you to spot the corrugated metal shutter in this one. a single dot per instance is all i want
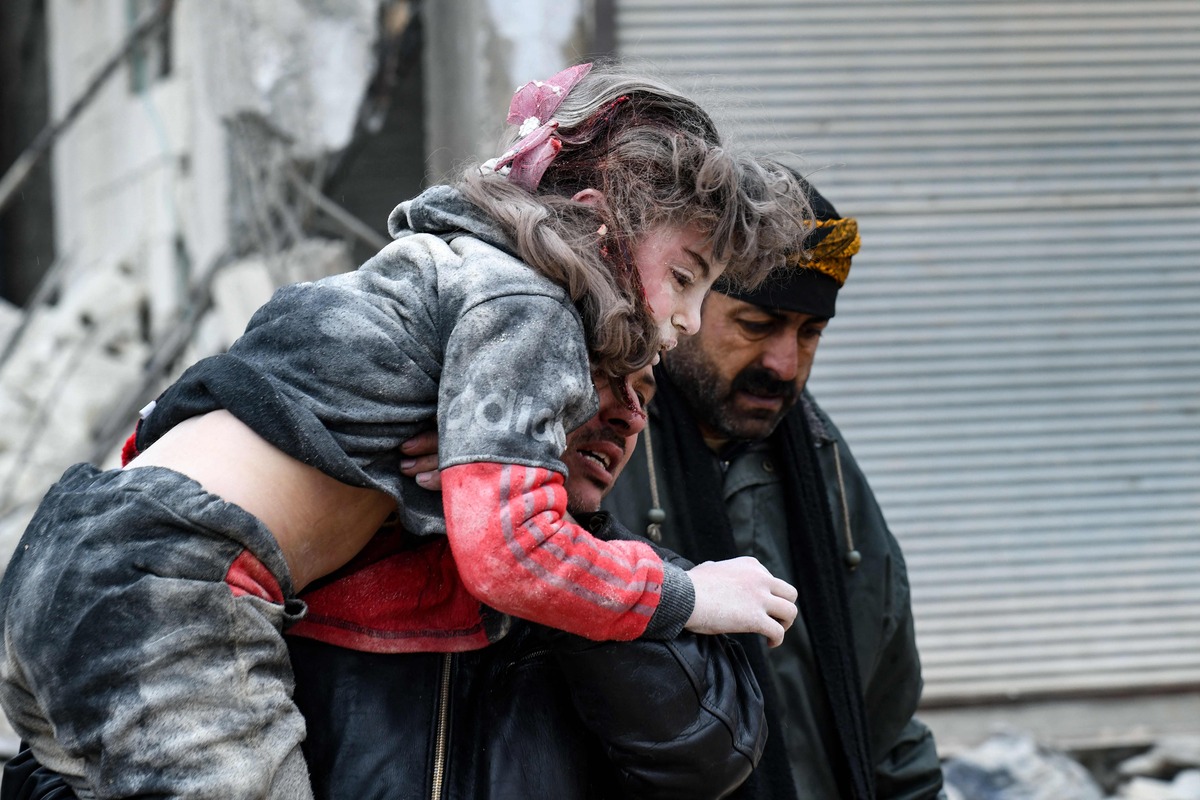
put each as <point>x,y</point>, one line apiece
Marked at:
<point>1016,361</point>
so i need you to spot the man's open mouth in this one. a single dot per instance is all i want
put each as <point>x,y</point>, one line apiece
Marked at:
<point>600,458</point>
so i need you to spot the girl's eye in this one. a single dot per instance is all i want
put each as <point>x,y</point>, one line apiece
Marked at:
<point>684,279</point>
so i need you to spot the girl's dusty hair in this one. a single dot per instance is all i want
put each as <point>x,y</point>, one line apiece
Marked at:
<point>658,160</point>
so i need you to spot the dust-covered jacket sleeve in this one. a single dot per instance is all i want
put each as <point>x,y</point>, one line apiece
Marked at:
<point>677,719</point>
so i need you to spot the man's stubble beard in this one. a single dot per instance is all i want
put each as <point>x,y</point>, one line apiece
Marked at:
<point>713,401</point>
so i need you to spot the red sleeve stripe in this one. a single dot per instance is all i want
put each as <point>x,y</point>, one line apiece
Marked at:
<point>582,561</point>
<point>517,552</point>
<point>544,518</point>
<point>543,527</point>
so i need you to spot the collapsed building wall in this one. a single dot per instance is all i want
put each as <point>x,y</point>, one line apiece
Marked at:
<point>178,209</point>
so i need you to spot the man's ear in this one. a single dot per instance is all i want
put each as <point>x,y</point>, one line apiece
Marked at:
<point>590,197</point>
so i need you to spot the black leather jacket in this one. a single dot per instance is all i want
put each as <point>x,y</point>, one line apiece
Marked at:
<point>538,714</point>
<point>532,716</point>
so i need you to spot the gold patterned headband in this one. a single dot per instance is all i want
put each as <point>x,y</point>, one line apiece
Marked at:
<point>831,256</point>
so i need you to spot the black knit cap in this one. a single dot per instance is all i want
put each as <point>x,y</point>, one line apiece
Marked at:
<point>810,280</point>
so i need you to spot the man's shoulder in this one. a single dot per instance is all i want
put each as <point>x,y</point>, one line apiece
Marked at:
<point>819,422</point>
<point>846,481</point>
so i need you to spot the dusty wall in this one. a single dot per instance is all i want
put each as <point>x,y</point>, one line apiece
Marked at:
<point>143,203</point>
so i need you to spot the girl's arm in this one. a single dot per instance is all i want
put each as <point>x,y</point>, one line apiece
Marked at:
<point>518,551</point>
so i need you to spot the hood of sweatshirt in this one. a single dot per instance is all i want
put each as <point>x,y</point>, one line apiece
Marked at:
<point>444,212</point>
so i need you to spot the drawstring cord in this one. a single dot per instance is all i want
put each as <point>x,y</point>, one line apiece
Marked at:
<point>656,516</point>
<point>852,557</point>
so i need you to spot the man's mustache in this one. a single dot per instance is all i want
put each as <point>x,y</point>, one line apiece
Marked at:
<point>604,433</point>
<point>763,383</point>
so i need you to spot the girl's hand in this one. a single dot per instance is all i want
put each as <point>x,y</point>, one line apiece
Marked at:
<point>740,596</point>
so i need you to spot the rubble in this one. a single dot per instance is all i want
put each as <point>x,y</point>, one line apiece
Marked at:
<point>1186,786</point>
<point>60,378</point>
<point>1169,755</point>
<point>300,67</point>
<point>1013,766</point>
<point>10,317</point>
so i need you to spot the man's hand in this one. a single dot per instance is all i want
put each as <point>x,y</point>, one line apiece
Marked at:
<point>740,596</point>
<point>421,460</point>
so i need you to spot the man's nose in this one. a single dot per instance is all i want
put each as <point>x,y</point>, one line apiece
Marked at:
<point>781,355</point>
<point>625,420</point>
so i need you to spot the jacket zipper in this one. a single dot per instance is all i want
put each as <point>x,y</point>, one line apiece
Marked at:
<point>532,655</point>
<point>442,729</point>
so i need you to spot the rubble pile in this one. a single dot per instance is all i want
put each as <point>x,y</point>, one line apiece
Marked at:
<point>1013,766</point>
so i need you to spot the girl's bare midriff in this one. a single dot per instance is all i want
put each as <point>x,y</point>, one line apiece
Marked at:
<point>319,522</point>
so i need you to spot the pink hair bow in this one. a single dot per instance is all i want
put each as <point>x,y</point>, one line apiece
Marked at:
<point>532,108</point>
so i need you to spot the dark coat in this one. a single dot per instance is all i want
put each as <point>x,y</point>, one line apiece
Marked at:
<point>539,714</point>
<point>906,764</point>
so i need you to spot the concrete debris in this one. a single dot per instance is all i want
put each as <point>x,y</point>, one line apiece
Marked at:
<point>300,66</point>
<point>1167,757</point>
<point>311,259</point>
<point>1186,786</point>
<point>1014,767</point>
<point>75,358</point>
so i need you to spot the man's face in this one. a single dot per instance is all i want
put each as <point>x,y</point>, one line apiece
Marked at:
<point>598,450</point>
<point>746,367</point>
